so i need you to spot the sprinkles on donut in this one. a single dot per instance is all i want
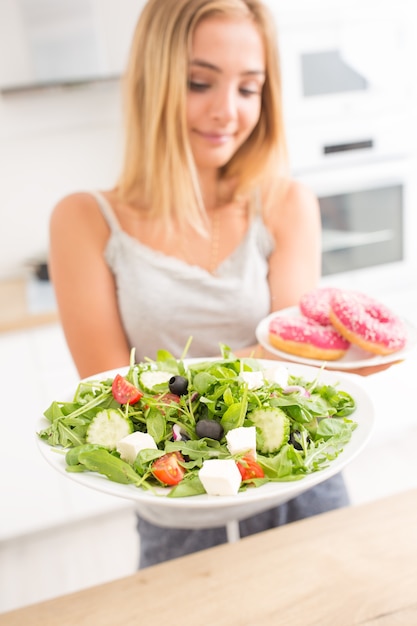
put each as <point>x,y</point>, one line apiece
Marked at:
<point>367,323</point>
<point>315,304</point>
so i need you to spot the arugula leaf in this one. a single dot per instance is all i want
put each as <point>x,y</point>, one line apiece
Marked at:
<point>190,485</point>
<point>114,468</point>
<point>198,450</point>
<point>156,425</point>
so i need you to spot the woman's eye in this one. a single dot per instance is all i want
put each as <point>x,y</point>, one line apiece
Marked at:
<point>194,85</point>
<point>250,91</point>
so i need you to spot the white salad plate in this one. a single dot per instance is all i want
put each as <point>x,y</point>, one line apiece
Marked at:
<point>354,358</point>
<point>202,511</point>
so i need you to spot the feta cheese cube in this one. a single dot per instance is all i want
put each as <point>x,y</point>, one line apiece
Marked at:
<point>277,374</point>
<point>220,477</point>
<point>242,439</point>
<point>129,446</point>
<point>255,380</point>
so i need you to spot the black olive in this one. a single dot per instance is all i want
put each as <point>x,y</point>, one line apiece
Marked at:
<point>209,428</point>
<point>294,440</point>
<point>178,385</point>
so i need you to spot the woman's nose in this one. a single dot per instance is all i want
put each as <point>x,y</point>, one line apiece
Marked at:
<point>224,105</point>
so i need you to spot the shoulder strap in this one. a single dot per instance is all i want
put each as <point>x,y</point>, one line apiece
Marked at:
<point>106,210</point>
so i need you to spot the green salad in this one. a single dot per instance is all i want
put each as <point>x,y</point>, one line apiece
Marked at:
<point>162,421</point>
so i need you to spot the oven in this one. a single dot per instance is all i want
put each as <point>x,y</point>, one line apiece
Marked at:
<point>367,217</point>
<point>364,175</point>
<point>349,118</point>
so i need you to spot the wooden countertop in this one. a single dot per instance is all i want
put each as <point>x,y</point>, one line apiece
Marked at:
<point>348,567</point>
<point>15,312</point>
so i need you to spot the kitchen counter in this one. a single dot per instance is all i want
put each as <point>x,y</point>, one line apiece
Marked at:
<point>351,566</point>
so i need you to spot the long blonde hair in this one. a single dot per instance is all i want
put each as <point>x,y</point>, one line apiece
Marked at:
<point>158,172</point>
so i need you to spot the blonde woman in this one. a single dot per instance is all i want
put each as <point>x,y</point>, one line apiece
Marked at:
<point>204,234</point>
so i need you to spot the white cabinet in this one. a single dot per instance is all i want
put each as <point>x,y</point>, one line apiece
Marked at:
<point>43,42</point>
<point>55,536</point>
<point>36,369</point>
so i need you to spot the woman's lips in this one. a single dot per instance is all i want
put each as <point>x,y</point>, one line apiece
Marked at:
<point>215,138</point>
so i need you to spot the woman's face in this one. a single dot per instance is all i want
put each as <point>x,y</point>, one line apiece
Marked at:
<point>225,78</point>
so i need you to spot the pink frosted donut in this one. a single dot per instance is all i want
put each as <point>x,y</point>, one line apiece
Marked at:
<point>306,338</point>
<point>367,323</point>
<point>315,304</point>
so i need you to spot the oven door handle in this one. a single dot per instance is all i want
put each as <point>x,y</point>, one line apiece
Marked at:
<point>365,144</point>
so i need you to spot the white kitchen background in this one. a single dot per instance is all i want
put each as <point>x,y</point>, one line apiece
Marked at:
<point>56,537</point>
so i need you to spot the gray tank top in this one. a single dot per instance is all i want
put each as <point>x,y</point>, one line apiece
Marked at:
<point>163,301</point>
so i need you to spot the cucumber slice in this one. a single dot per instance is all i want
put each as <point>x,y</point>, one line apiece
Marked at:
<point>272,429</point>
<point>108,427</point>
<point>154,381</point>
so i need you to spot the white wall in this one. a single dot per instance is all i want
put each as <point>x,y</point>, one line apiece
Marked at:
<point>51,143</point>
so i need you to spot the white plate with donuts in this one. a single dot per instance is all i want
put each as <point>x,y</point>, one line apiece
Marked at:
<point>340,329</point>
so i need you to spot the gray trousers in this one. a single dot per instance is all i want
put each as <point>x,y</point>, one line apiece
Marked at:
<point>159,544</point>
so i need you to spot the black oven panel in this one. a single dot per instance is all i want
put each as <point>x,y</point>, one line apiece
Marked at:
<point>362,229</point>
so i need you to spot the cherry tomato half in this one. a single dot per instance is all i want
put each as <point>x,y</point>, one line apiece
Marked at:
<point>249,468</point>
<point>124,392</point>
<point>167,468</point>
<point>169,398</point>
<point>164,399</point>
